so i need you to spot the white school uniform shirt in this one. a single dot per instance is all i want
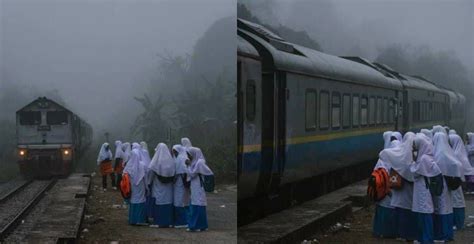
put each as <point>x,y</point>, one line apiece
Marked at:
<point>458,198</point>
<point>198,195</point>
<point>443,204</point>
<point>138,192</point>
<point>422,200</point>
<point>162,192</point>
<point>402,198</point>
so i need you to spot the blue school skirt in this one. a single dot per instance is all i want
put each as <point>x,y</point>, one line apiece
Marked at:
<point>459,217</point>
<point>181,215</point>
<point>150,201</point>
<point>136,213</point>
<point>424,228</point>
<point>384,222</point>
<point>406,223</point>
<point>443,226</point>
<point>163,215</point>
<point>198,218</point>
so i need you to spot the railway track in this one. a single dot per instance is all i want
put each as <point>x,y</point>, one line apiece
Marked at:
<point>17,202</point>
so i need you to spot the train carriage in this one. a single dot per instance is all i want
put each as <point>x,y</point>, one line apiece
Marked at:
<point>310,122</point>
<point>50,138</point>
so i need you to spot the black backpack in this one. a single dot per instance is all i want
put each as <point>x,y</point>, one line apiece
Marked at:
<point>207,181</point>
<point>452,182</point>
<point>165,180</point>
<point>435,184</point>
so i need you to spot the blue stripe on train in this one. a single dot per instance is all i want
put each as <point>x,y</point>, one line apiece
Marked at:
<point>334,153</point>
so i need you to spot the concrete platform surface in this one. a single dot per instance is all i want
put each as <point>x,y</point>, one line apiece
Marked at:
<point>62,218</point>
<point>295,224</point>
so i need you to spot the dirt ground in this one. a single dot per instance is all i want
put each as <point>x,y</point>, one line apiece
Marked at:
<point>360,229</point>
<point>106,222</point>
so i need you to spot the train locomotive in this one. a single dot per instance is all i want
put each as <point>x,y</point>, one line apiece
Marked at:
<point>50,139</point>
<point>309,122</point>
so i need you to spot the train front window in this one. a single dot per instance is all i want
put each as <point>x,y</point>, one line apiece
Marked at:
<point>30,118</point>
<point>56,118</point>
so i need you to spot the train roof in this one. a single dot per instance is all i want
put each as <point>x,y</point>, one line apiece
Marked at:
<point>43,102</point>
<point>298,59</point>
<point>245,47</point>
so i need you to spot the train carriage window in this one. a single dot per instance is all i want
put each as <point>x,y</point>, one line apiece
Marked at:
<point>355,110</point>
<point>391,112</point>
<point>30,118</point>
<point>346,110</point>
<point>430,111</point>
<point>379,110</point>
<point>416,111</point>
<point>310,115</point>
<point>250,100</point>
<point>324,110</point>
<point>363,110</point>
<point>385,110</point>
<point>336,110</point>
<point>372,110</point>
<point>56,118</point>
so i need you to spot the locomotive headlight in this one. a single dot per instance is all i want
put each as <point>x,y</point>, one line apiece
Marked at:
<point>67,154</point>
<point>22,152</point>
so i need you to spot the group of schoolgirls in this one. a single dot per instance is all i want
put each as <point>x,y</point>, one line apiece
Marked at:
<point>168,190</point>
<point>416,185</point>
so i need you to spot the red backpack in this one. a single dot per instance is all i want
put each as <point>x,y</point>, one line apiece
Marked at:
<point>378,186</point>
<point>125,187</point>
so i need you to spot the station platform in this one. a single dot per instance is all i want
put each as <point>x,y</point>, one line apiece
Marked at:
<point>61,220</point>
<point>300,222</point>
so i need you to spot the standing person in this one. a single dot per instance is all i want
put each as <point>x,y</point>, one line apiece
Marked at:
<point>161,174</point>
<point>185,142</point>
<point>470,156</point>
<point>401,158</point>
<point>104,161</point>
<point>145,160</point>
<point>384,224</point>
<point>136,171</point>
<point>181,186</point>
<point>459,204</point>
<point>423,168</point>
<point>428,134</point>
<point>197,168</point>
<point>451,169</point>
<point>118,167</point>
<point>127,150</point>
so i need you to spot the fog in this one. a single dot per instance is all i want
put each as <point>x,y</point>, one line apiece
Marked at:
<point>98,54</point>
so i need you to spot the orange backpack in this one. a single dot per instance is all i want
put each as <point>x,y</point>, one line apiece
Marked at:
<point>125,187</point>
<point>396,181</point>
<point>378,186</point>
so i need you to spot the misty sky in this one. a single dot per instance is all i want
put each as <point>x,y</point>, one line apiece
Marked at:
<point>346,27</point>
<point>98,54</point>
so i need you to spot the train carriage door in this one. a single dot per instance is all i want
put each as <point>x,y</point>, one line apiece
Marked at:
<point>240,134</point>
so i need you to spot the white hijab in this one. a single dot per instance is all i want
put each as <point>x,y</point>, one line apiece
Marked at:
<point>118,149</point>
<point>134,168</point>
<point>198,165</point>
<point>162,162</point>
<point>398,135</point>
<point>444,156</point>
<point>427,133</point>
<point>438,128</point>
<point>400,157</point>
<point>387,144</point>
<point>460,152</point>
<point>470,142</point>
<point>185,142</point>
<point>452,132</point>
<point>180,160</point>
<point>386,138</point>
<point>145,155</point>
<point>104,153</point>
<point>126,151</point>
<point>425,164</point>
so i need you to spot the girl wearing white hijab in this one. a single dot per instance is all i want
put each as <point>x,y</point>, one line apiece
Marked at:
<point>104,160</point>
<point>162,171</point>
<point>136,171</point>
<point>427,133</point>
<point>459,204</point>
<point>118,167</point>
<point>181,187</point>
<point>451,167</point>
<point>400,158</point>
<point>127,150</point>
<point>384,224</point>
<point>438,128</point>
<point>470,156</point>
<point>185,142</point>
<point>145,160</point>
<point>198,167</point>
<point>423,167</point>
